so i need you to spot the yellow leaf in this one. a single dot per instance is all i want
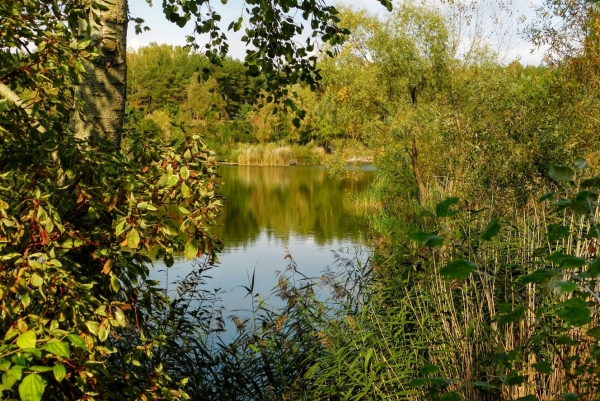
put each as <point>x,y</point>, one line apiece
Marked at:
<point>133,239</point>
<point>107,266</point>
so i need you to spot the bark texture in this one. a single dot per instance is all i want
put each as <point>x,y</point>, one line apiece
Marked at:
<point>101,96</point>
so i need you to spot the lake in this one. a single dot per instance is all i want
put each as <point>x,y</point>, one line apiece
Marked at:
<point>270,211</point>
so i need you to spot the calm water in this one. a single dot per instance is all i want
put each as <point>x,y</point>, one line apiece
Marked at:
<point>270,211</point>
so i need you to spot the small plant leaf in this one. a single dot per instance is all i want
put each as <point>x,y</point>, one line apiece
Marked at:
<point>77,340</point>
<point>428,369</point>
<point>574,311</point>
<point>59,372</point>
<point>538,276</point>
<point>27,340</point>
<point>561,173</point>
<point>517,313</point>
<point>191,250</point>
<point>453,396</point>
<point>133,238</point>
<point>172,180</point>
<point>565,261</point>
<point>114,283</point>
<point>543,367</point>
<point>547,196</point>
<point>185,173</point>
<point>443,209</point>
<point>557,232</point>
<point>492,229</point>
<point>594,268</point>
<point>580,163</point>
<point>594,332</point>
<point>57,348</point>
<point>514,379</point>
<point>458,268</point>
<point>564,287</point>
<point>32,388</point>
<point>429,240</point>
<point>102,333</point>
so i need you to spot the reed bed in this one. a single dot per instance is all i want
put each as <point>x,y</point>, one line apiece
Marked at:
<point>272,154</point>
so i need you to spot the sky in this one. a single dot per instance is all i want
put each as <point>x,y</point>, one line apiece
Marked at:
<point>165,32</point>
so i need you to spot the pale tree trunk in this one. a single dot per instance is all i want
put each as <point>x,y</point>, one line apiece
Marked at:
<point>102,93</point>
<point>416,169</point>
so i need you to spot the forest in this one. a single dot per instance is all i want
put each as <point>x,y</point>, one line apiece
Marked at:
<point>483,216</point>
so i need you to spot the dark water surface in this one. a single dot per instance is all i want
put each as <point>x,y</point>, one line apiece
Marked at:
<point>272,210</point>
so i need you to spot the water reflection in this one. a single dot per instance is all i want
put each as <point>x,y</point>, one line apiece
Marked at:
<point>282,201</point>
<point>270,211</point>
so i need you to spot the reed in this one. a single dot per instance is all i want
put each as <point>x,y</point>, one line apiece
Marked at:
<point>272,154</point>
<point>488,333</point>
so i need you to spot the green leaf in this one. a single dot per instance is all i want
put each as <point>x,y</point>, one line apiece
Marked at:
<point>561,173</point>
<point>133,238</point>
<point>594,268</point>
<point>557,232</point>
<point>547,196</point>
<point>172,180</point>
<point>32,388</point>
<point>565,261</point>
<point>102,333</point>
<point>168,259</point>
<point>529,397</point>
<point>120,317</point>
<point>77,340</point>
<point>458,268</point>
<point>120,227</point>
<point>443,209</point>
<point>483,385</point>
<point>514,379</point>
<point>492,229</point>
<point>114,283</point>
<point>27,340</point>
<point>564,287</point>
<point>191,250</point>
<point>580,163</point>
<point>92,327</point>
<point>591,182</point>
<point>429,240</point>
<point>185,173</point>
<point>428,369</point>
<point>594,332</point>
<point>574,311</point>
<point>15,372</point>
<point>40,369</point>
<point>36,280</point>
<point>512,316</point>
<point>453,396</point>
<point>538,276</point>
<point>543,367</point>
<point>59,372</point>
<point>57,348</point>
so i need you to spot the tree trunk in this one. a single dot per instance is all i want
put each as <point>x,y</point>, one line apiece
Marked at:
<point>101,96</point>
<point>414,159</point>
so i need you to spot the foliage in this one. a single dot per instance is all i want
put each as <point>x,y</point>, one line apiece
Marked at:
<point>521,317</point>
<point>80,224</point>
<point>276,54</point>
